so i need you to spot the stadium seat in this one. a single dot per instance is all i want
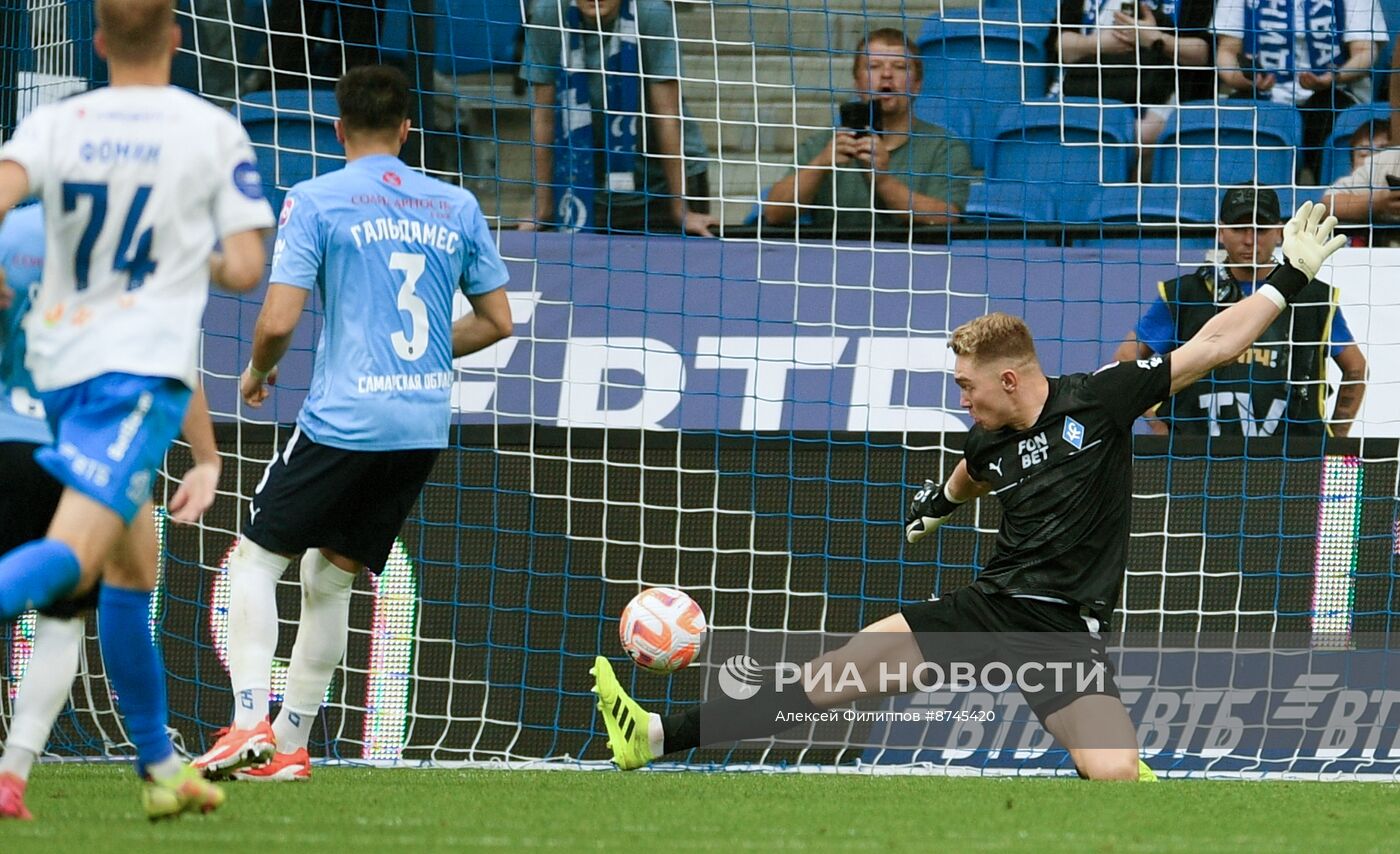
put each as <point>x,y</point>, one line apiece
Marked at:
<point>1336,156</point>
<point>293,135</point>
<point>1009,200</point>
<point>472,35</point>
<point>1011,11</point>
<point>953,117</point>
<point>986,66</point>
<point>1149,204</point>
<point>1207,145</point>
<point>1068,146</point>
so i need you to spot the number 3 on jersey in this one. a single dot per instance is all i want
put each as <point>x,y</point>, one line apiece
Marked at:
<point>412,346</point>
<point>135,262</point>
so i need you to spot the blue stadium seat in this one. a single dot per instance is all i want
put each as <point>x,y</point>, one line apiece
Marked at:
<point>1336,156</point>
<point>953,117</point>
<point>1148,204</point>
<point>986,66</point>
<point>293,136</point>
<point>1009,200</point>
<point>472,35</point>
<point>1013,11</point>
<point>1207,145</point>
<point>1068,146</point>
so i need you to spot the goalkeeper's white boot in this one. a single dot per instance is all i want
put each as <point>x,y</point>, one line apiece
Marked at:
<point>237,749</point>
<point>627,722</point>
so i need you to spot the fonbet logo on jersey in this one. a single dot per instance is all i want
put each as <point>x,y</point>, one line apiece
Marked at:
<point>740,677</point>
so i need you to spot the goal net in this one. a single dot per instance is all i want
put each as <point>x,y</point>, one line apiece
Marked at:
<point>746,417</point>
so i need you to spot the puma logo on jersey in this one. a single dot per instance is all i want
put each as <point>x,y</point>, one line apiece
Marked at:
<point>996,467</point>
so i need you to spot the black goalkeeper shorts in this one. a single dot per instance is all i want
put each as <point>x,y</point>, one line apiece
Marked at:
<point>969,625</point>
<point>28,499</point>
<point>354,503</point>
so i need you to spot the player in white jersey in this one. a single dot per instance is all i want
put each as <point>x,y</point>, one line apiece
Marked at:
<point>387,249</point>
<point>28,497</point>
<point>138,180</point>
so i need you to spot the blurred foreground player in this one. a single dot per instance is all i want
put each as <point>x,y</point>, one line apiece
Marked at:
<point>138,181</point>
<point>386,248</point>
<point>29,496</point>
<point>1057,451</point>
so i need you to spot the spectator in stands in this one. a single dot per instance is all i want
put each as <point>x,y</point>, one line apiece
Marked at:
<point>899,172</point>
<point>314,42</point>
<point>1278,386</point>
<point>1366,140</point>
<point>214,36</point>
<point>1370,193</point>
<point>1151,54</point>
<point>605,167</point>
<point>1315,54</point>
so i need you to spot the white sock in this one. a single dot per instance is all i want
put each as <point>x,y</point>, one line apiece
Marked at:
<point>253,572</point>
<point>656,736</point>
<point>293,729</point>
<point>53,665</point>
<point>166,768</point>
<point>320,645</point>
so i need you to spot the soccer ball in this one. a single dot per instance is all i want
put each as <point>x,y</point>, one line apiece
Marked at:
<point>662,629</point>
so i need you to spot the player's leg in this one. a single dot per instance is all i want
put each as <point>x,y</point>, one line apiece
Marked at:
<point>351,505</point>
<point>138,676</point>
<point>1100,738</point>
<point>48,680</point>
<point>283,501</point>
<point>253,573</point>
<point>637,737</point>
<point>28,497</point>
<point>327,579</point>
<point>66,562</point>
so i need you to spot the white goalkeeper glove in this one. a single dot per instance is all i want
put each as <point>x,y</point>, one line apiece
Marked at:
<point>930,508</point>
<point>1308,241</point>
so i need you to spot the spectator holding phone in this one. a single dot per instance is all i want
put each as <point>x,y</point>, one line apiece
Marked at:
<point>1370,193</point>
<point>1315,54</point>
<point>881,168</point>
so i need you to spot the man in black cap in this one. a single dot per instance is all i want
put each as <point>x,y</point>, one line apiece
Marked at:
<point>1278,386</point>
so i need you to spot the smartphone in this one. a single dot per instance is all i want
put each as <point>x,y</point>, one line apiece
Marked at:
<point>1129,8</point>
<point>1393,181</point>
<point>858,116</point>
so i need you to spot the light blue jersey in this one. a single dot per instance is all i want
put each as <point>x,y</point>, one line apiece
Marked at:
<point>22,256</point>
<point>387,248</point>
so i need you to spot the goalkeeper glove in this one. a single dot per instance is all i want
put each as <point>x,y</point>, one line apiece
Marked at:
<point>930,508</point>
<point>1307,243</point>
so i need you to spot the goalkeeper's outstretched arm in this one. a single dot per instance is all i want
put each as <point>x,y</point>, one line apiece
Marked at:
<point>1307,243</point>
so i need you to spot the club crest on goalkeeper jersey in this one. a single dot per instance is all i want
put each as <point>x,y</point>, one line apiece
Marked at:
<point>138,182</point>
<point>386,248</point>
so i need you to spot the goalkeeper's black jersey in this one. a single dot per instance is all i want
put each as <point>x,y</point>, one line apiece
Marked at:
<point>1065,486</point>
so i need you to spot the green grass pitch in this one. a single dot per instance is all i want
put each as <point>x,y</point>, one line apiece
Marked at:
<point>93,808</point>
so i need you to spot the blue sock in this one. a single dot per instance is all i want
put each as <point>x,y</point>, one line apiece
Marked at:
<point>136,671</point>
<point>36,575</point>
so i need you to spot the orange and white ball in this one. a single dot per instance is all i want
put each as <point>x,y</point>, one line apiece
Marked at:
<point>662,629</point>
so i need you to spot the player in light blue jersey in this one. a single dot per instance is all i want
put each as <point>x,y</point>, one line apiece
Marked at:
<point>386,249</point>
<point>138,181</point>
<point>29,496</point>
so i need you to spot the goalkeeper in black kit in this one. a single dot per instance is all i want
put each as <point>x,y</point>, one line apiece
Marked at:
<point>1057,452</point>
